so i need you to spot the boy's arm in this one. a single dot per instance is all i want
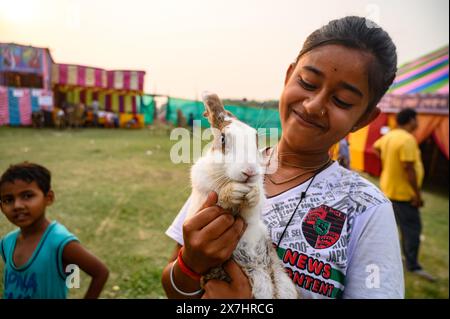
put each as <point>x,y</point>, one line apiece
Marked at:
<point>2,252</point>
<point>412,179</point>
<point>376,151</point>
<point>376,148</point>
<point>408,155</point>
<point>75,253</point>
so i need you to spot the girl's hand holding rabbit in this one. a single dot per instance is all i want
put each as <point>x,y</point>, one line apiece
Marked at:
<point>238,288</point>
<point>210,236</point>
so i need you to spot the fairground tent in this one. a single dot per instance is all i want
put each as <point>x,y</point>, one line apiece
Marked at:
<point>30,81</point>
<point>118,91</point>
<point>423,85</point>
<point>24,82</point>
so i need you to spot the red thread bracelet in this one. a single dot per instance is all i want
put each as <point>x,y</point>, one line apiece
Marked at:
<point>185,269</point>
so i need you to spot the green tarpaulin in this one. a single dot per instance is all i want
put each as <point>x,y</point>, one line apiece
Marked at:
<point>147,107</point>
<point>255,117</point>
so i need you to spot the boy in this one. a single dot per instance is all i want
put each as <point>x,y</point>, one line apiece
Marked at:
<point>37,254</point>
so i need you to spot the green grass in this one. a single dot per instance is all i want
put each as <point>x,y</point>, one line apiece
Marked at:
<point>118,191</point>
<point>433,253</point>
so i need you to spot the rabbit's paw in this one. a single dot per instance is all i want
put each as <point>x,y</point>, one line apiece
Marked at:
<point>233,194</point>
<point>252,197</point>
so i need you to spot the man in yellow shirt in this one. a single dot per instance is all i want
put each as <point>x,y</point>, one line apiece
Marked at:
<point>401,178</point>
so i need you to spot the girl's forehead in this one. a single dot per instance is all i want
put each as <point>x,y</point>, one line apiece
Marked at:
<point>337,59</point>
<point>338,64</point>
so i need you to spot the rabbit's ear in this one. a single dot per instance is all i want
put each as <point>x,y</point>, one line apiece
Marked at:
<point>228,113</point>
<point>215,112</point>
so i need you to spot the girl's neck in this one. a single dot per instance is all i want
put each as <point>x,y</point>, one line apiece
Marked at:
<point>287,157</point>
<point>36,228</point>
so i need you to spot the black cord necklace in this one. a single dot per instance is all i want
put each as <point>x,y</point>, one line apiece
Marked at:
<point>302,196</point>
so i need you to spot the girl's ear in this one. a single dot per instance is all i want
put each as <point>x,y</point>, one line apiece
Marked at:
<point>49,198</point>
<point>366,120</point>
<point>289,72</point>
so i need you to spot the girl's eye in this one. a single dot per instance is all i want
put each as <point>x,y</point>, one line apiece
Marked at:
<point>306,85</point>
<point>341,103</point>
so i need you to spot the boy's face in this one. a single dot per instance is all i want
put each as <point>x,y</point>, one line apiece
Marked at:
<point>24,203</point>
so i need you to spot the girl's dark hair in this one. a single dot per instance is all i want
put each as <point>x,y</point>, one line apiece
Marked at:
<point>28,172</point>
<point>363,34</point>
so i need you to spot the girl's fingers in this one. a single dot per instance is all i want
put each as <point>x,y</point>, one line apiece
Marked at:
<point>231,236</point>
<point>234,271</point>
<point>217,227</point>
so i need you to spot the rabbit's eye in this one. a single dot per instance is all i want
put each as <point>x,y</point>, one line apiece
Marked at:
<point>222,139</point>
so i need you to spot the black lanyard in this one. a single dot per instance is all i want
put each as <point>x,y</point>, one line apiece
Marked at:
<point>302,196</point>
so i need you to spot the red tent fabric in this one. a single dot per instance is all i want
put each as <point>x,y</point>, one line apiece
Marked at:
<point>421,84</point>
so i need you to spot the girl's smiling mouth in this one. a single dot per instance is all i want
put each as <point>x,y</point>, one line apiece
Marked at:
<point>307,122</point>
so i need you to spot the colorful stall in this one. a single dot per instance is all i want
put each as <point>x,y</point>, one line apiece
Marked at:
<point>25,83</point>
<point>421,84</point>
<point>17,104</point>
<point>116,91</point>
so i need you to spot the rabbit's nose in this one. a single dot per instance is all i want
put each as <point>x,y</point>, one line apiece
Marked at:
<point>249,172</point>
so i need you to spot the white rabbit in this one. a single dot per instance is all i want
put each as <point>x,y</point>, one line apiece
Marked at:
<point>233,168</point>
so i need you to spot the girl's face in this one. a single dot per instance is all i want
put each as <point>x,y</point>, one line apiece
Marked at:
<point>324,97</point>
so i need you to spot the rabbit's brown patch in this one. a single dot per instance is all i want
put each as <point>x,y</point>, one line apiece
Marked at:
<point>215,112</point>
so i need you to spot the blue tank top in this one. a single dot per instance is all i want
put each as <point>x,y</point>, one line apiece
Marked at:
<point>42,276</point>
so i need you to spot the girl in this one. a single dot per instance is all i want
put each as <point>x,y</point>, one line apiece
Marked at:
<point>334,231</point>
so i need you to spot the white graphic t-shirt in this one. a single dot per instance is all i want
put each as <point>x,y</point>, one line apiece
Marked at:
<point>342,241</point>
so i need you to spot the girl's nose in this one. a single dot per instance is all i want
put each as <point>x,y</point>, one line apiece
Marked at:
<point>315,104</point>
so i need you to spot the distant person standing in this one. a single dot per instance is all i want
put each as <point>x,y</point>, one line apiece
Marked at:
<point>344,154</point>
<point>191,120</point>
<point>95,109</point>
<point>401,178</point>
<point>181,119</point>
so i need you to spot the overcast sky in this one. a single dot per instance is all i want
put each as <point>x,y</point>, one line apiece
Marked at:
<point>237,48</point>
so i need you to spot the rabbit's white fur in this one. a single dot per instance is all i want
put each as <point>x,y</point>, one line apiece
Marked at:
<point>223,173</point>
